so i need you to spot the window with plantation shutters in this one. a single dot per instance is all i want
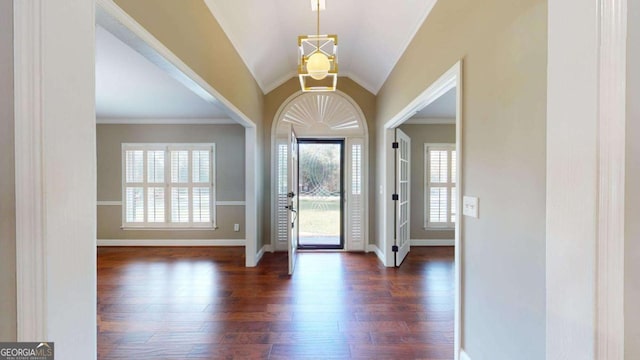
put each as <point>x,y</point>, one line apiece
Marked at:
<point>168,185</point>
<point>440,185</point>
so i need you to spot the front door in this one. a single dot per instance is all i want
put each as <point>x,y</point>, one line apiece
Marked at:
<point>321,193</point>
<point>292,203</point>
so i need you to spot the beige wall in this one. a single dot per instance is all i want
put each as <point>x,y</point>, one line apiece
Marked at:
<point>632,210</point>
<point>7,192</point>
<point>504,47</point>
<point>229,140</point>
<point>273,100</point>
<point>421,134</point>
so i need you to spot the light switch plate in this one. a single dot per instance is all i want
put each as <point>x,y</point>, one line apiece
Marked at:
<point>236,227</point>
<point>470,206</point>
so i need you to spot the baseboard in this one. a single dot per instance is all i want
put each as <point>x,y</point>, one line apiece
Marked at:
<point>464,355</point>
<point>263,250</point>
<point>432,242</point>
<point>376,249</point>
<point>171,242</point>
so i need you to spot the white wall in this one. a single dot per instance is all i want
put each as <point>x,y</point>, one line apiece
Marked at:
<point>632,190</point>
<point>7,186</point>
<point>56,136</point>
<point>571,179</point>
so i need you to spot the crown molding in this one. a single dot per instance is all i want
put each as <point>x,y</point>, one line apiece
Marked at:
<point>163,121</point>
<point>366,85</point>
<point>275,84</point>
<point>431,121</point>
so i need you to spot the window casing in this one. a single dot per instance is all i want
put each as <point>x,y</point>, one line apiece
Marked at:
<point>440,186</point>
<point>168,186</point>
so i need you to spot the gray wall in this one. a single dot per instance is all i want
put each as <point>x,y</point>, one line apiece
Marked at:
<point>229,140</point>
<point>7,179</point>
<point>503,45</point>
<point>632,211</point>
<point>421,134</point>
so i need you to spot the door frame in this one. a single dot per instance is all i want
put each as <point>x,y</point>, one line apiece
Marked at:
<point>343,173</point>
<point>450,79</point>
<point>366,178</point>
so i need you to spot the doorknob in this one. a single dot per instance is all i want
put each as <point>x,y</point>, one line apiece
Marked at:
<point>291,194</point>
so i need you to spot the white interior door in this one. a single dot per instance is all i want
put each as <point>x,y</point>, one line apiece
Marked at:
<point>402,208</point>
<point>292,234</point>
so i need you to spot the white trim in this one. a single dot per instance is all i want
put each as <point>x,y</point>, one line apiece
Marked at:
<point>376,249</point>
<point>358,80</point>
<point>230,203</point>
<point>171,242</point>
<point>31,247</point>
<point>450,79</point>
<point>218,203</point>
<point>153,121</point>
<point>446,82</point>
<point>458,226</point>
<point>611,179</point>
<point>464,355</point>
<point>252,189</point>
<point>275,84</point>
<point>431,121</point>
<point>262,251</point>
<point>109,203</point>
<point>433,242</point>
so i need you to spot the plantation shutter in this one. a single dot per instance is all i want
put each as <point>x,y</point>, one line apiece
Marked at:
<point>168,185</point>
<point>440,194</point>
<point>282,222</point>
<point>355,194</point>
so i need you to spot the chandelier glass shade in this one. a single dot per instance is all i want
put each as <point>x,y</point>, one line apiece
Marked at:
<point>318,60</point>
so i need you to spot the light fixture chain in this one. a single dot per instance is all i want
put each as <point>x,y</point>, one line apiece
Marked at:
<point>318,27</point>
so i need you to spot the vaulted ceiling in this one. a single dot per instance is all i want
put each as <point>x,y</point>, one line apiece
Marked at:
<point>371,40</point>
<point>372,35</point>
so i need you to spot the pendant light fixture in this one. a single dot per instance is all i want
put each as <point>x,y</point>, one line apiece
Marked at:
<point>317,60</point>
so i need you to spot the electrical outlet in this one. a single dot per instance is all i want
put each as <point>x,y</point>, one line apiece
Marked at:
<point>236,227</point>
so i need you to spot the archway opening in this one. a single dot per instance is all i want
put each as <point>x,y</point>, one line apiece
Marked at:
<point>322,117</point>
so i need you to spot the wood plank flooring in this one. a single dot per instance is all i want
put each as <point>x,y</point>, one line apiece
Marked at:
<point>202,303</point>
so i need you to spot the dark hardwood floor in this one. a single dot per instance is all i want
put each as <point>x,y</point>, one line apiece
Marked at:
<point>202,303</point>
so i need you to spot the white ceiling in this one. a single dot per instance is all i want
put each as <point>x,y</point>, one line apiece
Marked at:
<point>443,107</point>
<point>372,35</point>
<point>130,86</point>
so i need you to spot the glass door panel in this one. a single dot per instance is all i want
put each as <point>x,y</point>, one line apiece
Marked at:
<point>320,189</point>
